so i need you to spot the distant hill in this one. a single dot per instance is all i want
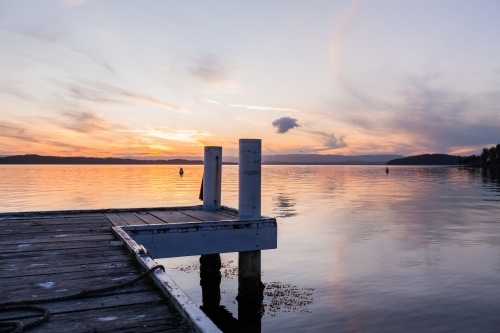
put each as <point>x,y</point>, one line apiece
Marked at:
<point>426,159</point>
<point>38,159</point>
<point>327,159</point>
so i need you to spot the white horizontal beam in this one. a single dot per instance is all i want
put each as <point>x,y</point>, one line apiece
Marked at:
<point>197,238</point>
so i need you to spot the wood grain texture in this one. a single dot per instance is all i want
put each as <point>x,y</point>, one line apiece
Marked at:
<point>148,218</point>
<point>173,216</point>
<point>50,256</point>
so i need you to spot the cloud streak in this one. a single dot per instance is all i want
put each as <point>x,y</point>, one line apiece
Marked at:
<point>250,107</point>
<point>210,70</point>
<point>104,93</point>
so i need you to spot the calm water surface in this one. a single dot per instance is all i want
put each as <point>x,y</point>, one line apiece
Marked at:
<point>417,250</point>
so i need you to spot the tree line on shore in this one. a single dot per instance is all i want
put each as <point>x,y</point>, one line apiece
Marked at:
<point>489,156</point>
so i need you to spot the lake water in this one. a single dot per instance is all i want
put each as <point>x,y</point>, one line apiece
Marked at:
<point>359,250</point>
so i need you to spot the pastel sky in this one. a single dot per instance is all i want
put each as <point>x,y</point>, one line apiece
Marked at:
<point>160,79</point>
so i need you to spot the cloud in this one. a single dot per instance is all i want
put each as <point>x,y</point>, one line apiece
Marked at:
<point>424,115</point>
<point>72,2</point>
<point>189,136</point>
<point>84,121</point>
<point>99,92</point>
<point>329,140</point>
<point>210,70</point>
<point>15,132</point>
<point>250,107</point>
<point>297,42</point>
<point>284,124</point>
<point>9,87</point>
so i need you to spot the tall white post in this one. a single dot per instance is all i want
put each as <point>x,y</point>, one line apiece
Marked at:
<point>212,172</point>
<point>249,179</point>
<point>250,287</point>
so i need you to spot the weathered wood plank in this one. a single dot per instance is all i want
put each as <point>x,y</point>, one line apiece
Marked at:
<point>49,288</point>
<point>148,218</point>
<point>203,215</point>
<point>28,268</point>
<point>55,222</point>
<point>131,219</point>
<point>49,216</point>
<point>56,255</point>
<point>173,216</point>
<point>229,213</point>
<point>133,318</point>
<point>60,238</point>
<point>23,231</point>
<point>116,274</point>
<point>57,245</point>
<point>115,219</point>
<point>100,302</point>
<point>93,211</point>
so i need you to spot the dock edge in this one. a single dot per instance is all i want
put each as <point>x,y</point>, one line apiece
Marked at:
<point>188,309</point>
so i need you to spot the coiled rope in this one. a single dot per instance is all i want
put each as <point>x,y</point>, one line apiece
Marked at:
<point>18,326</point>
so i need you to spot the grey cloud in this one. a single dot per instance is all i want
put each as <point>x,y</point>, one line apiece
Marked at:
<point>99,92</point>
<point>284,124</point>
<point>15,132</point>
<point>210,70</point>
<point>11,89</point>
<point>84,121</point>
<point>433,116</point>
<point>329,140</point>
<point>47,29</point>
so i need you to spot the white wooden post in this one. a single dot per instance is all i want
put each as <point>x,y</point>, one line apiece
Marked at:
<point>249,179</point>
<point>249,262</point>
<point>212,172</point>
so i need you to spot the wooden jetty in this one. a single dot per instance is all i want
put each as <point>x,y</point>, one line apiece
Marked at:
<point>58,253</point>
<point>52,254</point>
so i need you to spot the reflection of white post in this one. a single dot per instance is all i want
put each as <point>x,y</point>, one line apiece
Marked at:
<point>249,262</point>
<point>212,171</point>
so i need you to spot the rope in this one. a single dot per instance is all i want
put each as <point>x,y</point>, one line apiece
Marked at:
<point>18,326</point>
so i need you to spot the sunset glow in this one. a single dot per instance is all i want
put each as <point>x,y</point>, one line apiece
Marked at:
<point>162,79</point>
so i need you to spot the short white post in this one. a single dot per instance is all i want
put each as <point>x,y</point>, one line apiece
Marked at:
<point>212,172</point>
<point>250,287</point>
<point>210,264</point>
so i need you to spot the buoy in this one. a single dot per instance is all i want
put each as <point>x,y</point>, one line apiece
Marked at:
<point>386,170</point>
<point>181,172</point>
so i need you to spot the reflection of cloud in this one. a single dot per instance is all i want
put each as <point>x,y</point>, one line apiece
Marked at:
<point>284,124</point>
<point>210,70</point>
<point>284,205</point>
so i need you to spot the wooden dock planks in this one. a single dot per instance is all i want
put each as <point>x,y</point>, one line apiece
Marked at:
<point>50,255</point>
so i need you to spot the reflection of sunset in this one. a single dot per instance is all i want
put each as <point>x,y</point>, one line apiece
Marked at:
<point>369,243</point>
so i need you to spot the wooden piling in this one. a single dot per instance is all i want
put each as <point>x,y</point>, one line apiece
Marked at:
<point>250,287</point>
<point>212,172</point>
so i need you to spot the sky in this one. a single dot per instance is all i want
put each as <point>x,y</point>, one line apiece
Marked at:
<point>163,79</point>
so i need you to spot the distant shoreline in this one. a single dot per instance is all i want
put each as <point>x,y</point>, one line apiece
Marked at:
<point>58,160</point>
